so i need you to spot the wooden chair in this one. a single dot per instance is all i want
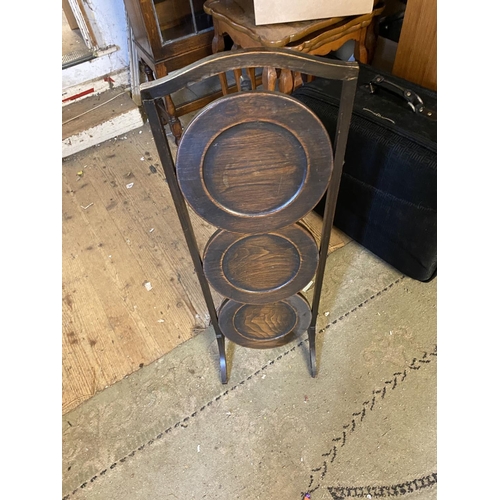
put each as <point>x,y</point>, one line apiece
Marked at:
<point>317,37</point>
<point>253,164</point>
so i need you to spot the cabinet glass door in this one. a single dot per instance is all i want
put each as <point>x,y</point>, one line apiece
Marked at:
<point>202,19</point>
<point>181,18</point>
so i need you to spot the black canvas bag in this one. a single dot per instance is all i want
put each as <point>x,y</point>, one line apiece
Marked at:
<point>388,193</point>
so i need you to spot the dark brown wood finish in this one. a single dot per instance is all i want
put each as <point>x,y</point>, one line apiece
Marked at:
<point>253,162</point>
<point>164,50</point>
<point>236,19</point>
<point>249,58</point>
<point>146,20</point>
<point>240,16</point>
<point>154,111</point>
<point>261,268</point>
<point>267,325</point>
<point>339,146</point>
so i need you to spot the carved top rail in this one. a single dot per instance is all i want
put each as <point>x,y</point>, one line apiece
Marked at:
<point>249,58</point>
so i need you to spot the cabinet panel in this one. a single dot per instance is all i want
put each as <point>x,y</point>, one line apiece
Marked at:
<point>416,56</point>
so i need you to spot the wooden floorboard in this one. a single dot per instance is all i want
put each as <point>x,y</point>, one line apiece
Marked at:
<point>130,293</point>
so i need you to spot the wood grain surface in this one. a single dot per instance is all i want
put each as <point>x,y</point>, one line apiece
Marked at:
<point>267,325</point>
<point>121,237</point>
<point>115,240</point>
<point>254,168</point>
<point>241,17</point>
<point>254,162</point>
<point>261,268</point>
<point>248,58</point>
<point>416,55</point>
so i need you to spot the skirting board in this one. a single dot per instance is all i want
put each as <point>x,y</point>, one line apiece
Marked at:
<point>89,88</point>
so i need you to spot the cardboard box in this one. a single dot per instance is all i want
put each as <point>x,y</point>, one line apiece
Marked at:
<point>286,11</point>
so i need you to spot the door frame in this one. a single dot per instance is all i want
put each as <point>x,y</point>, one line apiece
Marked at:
<point>76,10</point>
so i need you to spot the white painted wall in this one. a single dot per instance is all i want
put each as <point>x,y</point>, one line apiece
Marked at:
<point>109,23</point>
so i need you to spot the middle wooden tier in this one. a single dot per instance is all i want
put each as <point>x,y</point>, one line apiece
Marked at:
<point>261,268</point>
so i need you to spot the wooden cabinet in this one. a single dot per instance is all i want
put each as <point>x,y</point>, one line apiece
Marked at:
<point>168,35</point>
<point>172,33</point>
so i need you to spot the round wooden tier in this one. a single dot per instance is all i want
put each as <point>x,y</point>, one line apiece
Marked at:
<point>254,162</point>
<point>266,325</point>
<point>261,268</point>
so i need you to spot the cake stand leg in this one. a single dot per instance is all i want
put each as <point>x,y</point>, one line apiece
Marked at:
<point>311,333</point>
<point>222,358</point>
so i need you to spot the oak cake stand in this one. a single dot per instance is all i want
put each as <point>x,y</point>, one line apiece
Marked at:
<point>253,164</point>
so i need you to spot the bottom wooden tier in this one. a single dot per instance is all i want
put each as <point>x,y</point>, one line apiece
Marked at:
<point>265,326</point>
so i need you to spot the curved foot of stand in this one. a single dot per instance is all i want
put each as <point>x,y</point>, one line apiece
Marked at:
<point>222,360</point>
<point>312,350</point>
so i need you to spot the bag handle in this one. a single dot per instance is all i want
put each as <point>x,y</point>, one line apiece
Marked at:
<point>412,98</point>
